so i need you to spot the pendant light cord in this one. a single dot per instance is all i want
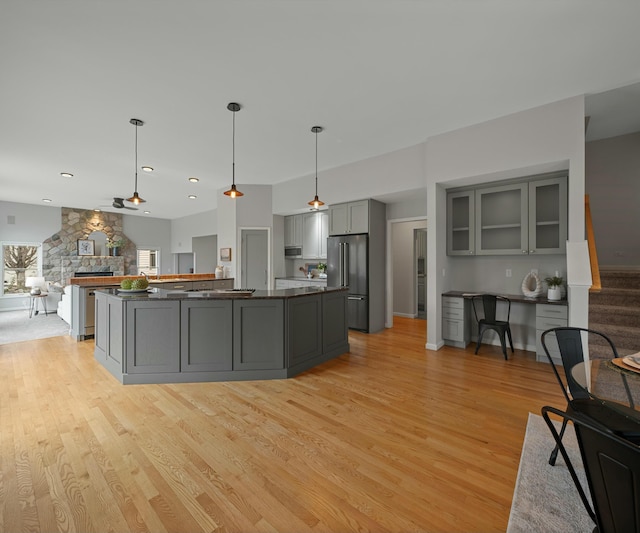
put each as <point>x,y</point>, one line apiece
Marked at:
<point>316,163</point>
<point>136,169</point>
<point>233,151</point>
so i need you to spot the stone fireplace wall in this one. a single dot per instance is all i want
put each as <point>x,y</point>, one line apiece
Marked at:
<point>60,258</point>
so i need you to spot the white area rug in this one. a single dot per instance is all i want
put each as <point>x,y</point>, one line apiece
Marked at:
<point>16,326</point>
<point>545,498</point>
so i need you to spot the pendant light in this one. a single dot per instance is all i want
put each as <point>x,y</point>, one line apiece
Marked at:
<point>135,199</point>
<point>316,203</point>
<point>233,192</point>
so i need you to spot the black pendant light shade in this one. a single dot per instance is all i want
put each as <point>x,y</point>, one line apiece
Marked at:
<point>135,199</point>
<point>316,202</point>
<point>233,192</point>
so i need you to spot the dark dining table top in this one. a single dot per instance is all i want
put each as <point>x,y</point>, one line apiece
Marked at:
<point>616,387</point>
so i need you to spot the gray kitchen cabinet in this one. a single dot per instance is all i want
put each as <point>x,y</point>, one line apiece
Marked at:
<point>152,340</point>
<point>455,321</point>
<point>304,329</point>
<point>350,217</point>
<point>549,316</point>
<point>202,285</point>
<point>335,330</point>
<point>523,217</point>
<point>461,223</point>
<point>110,329</point>
<point>502,220</point>
<point>293,230</point>
<point>223,284</point>
<point>206,336</point>
<point>314,235</point>
<point>258,339</point>
<point>548,216</point>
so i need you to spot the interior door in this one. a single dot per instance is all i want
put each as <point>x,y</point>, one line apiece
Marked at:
<point>255,259</point>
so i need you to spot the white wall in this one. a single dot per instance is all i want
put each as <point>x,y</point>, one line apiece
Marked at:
<point>30,223</point>
<point>538,140</point>
<point>613,186</point>
<point>402,170</point>
<point>198,225</point>
<point>205,254</point>
<point>253,210</point>
<point>151,234</point>
<point>404,267</point>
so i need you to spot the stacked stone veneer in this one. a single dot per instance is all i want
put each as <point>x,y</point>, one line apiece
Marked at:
<point>60,260</point>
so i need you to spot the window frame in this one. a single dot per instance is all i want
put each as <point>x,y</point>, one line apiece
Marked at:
<point>38,265</point>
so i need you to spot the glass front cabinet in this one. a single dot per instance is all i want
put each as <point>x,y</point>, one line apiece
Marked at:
<point>525,217</point>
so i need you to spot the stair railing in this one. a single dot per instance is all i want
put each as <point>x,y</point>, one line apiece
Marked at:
<point>593,253</point>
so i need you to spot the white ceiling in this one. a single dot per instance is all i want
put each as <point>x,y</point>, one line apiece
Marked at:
<point>379,75</point>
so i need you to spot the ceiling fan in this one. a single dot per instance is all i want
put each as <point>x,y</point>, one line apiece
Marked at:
<point>118,203</point>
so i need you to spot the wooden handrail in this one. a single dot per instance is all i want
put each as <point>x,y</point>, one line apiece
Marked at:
<point>593,253</point>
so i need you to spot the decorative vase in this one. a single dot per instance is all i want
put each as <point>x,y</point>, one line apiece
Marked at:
<point>555,293</point>
<point>531,285</point>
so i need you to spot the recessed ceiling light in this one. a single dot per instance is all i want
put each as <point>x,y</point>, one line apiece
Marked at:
<point>47,200</point>
<point>192,197</point>
<point>194,180</point>
<point>147,169</point>
<point>147,212</point>
<point>66,174</point>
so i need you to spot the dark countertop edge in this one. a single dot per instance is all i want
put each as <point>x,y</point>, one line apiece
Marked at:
<point>108,281</point>
<point>513,297</point>
<point>302,278</point>
<point>163,294</point>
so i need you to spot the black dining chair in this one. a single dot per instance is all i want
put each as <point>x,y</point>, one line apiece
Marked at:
<point>612,468</point>
<point>570,347</point>
<point>489,304</point>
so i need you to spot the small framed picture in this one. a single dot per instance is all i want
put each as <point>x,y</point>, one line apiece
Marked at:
<point>86,247</point>
<point>225,254</point>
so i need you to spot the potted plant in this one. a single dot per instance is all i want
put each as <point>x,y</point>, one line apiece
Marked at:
<point>115,245</point>
<point>555,287</point>
<point>322,268</point>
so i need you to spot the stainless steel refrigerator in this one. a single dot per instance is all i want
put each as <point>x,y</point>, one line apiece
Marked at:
<point>347,266</point>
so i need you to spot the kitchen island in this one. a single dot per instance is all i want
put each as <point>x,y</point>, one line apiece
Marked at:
<point>169,336</point>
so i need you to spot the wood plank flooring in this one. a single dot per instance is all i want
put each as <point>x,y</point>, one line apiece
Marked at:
<point>390,437</point>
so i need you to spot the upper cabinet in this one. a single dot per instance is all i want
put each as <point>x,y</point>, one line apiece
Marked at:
<point>461,223</point>
<point>517,218</point>
<point>293,230</point>
<point>351,217</point>
<point>502,220</point>
<point>314,235</point>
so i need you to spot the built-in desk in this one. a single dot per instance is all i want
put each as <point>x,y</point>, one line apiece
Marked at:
<point>457,320</point>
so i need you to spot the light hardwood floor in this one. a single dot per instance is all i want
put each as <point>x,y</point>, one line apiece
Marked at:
<point>390,437</point>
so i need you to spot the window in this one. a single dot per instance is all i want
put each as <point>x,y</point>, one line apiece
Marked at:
<point>148,262</point>
<point>19,261</point>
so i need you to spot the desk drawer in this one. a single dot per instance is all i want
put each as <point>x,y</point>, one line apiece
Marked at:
<point>453,313</point>
<point>552,311</point>
<point>543,323</point>
<point>448,301</point>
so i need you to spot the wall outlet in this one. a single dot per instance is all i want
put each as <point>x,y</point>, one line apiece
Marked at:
<point>444,272</point>
<point>508,272</point>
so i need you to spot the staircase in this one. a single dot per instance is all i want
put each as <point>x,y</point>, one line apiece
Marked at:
<point>615,310</point>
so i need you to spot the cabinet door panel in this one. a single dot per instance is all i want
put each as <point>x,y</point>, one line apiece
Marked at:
<point>310,236</point>
<point>258,334</point>
<point>153,336</point>
<point>548,216</point>
<point>338,224</point>
<point>206,336</point>
<point>502,220</point>
<point>304,328</point>
<point>460,223</point>
<point>359,217</point>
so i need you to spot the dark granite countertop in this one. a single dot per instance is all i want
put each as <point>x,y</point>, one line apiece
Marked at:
<point>162,294</point>
<point>513,297</point>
